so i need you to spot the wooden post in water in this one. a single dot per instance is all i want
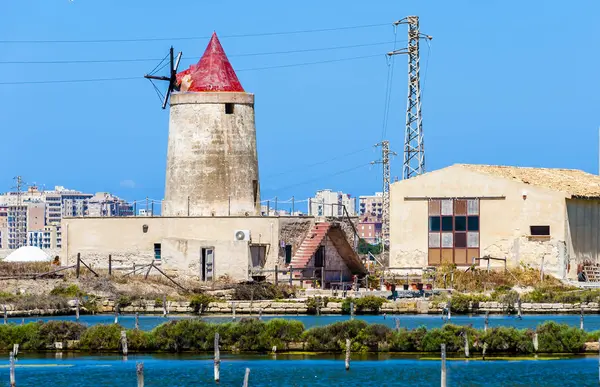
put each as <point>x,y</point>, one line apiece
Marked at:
<point>217,359</point>
<point>535,342</point>
<point>466,345</point>
<point>233,311</point>
<point>139,370</point>
<point>449,310</point>
<point>486,321</point>
<point>5,315</point>
<point>351,310</point>
<point>116,313</point>
<point>519,308</point>
<point>246,377</point>
<point>165,312</point>
<point>12,370</point>
<point>348,349</point>
<point>260,313</point>
<point>443,379</point>
<point>77,309</point>
<point>22,320</point>
<point>137,320</point>
<point>16,350</point>
<point>124,342</point>
<point>397,319</point>
<point>484,350</point>
<point>581,318</point>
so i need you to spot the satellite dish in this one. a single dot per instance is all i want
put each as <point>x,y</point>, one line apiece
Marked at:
<point>172,78</point>
<point>240,235</point>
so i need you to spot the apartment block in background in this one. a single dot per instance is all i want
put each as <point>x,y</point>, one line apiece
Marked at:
<point>329,203</point>
<point>106,204</point>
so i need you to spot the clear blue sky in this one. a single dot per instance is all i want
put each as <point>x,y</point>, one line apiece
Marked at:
<point>508,82</point>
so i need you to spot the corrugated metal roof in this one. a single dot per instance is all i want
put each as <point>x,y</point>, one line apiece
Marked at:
<point>571,181</point>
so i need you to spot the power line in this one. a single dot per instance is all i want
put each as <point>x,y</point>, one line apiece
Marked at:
<point>324,176</point>
<point>319,162</point>
<point>131,78</point>
<point>193,57</point>
<point>194,37</point>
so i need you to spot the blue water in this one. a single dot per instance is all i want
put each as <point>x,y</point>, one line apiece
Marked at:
<point>166,370</point>
<point>147,322</point>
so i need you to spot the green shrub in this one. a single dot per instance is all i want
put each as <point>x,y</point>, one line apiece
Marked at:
<point>200,301</point>
<point>508,340</point>
<point>369,338</point>
<point>280,333</point>
<point>449,334</point>
<point>363,305</point>
<point>70,291</point>
<point>560,338</point>
<point>53,331</point>
<point>101,337</point>
<point>332,338</point>
<point>462,303</point>
<point>184,335</point>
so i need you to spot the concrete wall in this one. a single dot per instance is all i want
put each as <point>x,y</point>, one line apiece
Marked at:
<point>212,162</point>
<point>181,239</point>
<point>583,242</point>
<point>504,223</point>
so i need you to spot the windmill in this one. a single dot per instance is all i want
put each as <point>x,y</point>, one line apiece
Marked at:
<point>172,78</point>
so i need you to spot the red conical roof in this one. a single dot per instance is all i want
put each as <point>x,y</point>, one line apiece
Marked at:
<point>212,73</point>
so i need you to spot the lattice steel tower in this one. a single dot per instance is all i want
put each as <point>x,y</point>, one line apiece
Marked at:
<point>414,149</point>
<point>385,217</point>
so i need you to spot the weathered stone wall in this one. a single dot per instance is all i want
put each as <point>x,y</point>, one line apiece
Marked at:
<point>212,162</point>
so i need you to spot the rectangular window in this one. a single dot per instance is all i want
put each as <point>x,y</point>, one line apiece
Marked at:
<point>540,230</point>
<point>228,108</point>
<point>473,223</point>
<point>453,231</point>
<point>460,223</point>
<point>435,223</point>
<point>447,223</point>
<point>157,251</point>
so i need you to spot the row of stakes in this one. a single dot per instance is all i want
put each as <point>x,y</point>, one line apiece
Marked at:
<point>446,315</point>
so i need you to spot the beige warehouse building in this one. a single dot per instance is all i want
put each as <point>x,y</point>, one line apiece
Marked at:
<point>530,216</point>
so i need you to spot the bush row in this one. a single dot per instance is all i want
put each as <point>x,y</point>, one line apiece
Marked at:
<point>252,335</point>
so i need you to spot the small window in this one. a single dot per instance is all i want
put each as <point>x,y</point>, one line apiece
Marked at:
<point>460,223</point>
<point>228,108</point>
<point>473,223</point>
<point>540,230</point>
<point>447,223</point>
<point>157,251</point>
<point>434,223</point>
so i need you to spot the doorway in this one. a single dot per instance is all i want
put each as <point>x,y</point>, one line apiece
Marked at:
<point>207,261</point>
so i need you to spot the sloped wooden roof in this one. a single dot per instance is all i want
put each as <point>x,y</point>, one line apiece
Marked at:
<point>571,181</point>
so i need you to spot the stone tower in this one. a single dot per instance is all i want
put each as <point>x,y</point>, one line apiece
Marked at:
<point>212,163</point>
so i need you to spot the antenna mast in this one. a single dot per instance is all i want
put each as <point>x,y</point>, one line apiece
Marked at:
<point>385,219</point>
<point>172,78</point>
<point>414,149</point>
<point>20,222</point>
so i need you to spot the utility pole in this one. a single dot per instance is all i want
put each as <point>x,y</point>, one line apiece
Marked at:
<point>20,222</point>
<point>414,149</point>
<point>385,219</point>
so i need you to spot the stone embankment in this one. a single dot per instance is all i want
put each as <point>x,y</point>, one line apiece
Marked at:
<point>291,307</point>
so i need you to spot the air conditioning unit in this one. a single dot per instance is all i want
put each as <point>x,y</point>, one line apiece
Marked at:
<point>241,235</point>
